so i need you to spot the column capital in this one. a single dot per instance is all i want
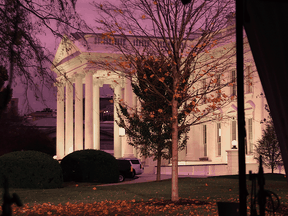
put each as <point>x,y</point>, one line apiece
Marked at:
<point>97,81</point>
<point>61,79</point>
<point>88,70</point>
<point>79,75</point>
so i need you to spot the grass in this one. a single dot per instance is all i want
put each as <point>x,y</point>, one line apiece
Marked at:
<point>198,195</point>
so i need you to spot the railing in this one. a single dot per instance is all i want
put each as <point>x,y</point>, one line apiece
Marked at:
<point>270,205</point>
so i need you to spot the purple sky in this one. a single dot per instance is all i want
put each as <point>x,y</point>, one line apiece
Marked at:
<point>86,11</point>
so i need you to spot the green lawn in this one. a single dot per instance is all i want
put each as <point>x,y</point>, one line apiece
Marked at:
<point>198,195</point>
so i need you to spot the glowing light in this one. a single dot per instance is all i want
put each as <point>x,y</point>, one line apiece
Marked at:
<point>121,131</point>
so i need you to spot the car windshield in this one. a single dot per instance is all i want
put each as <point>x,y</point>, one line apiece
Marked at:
<point>135,161</point>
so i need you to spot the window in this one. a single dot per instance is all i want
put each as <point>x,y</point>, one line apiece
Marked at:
<point>218,77</point>
<point>205,139</point>
<point>204,97</point>
<point>233,80</point>
<point>234,131</point>
<point>249,82</point>
<point>249,137</point>
<point>219,139</point>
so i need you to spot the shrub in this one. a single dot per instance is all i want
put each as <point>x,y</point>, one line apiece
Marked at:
<point>90,166</point>
<point>30,169</point>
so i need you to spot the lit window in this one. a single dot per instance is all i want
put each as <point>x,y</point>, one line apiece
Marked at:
<point>219,138</point>
<point>249,137</point>
<point>234,131</point>
<point>205,139</point>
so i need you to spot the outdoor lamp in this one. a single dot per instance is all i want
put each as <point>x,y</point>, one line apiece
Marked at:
<point>121,131</point>
<point>234,144</point>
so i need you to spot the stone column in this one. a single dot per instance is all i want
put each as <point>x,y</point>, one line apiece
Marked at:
<point>232,161</point>
<point>69,118</point>
<point>128,97</point>
<point>96,113</point>
<point>79,112</point>
<point>117,144</point>
<point>89,110</point>
<point>60,122</point>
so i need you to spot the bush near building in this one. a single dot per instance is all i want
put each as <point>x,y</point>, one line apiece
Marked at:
<point>90,165</point>
<point>30,169</point>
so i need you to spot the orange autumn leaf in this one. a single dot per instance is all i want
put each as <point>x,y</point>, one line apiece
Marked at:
<point>152,75</point>
<point>212,57</point>
<point>194,54</point>
<point>155,3</point>
<point>94,188</point>
<point>143,16</point>
<point>111,101</point>
<point>145,90</point>
<point>162,79</point>
<point>144,77</point>
<point>160,110</point>
<point>151,115</point>
<point>130,32</point>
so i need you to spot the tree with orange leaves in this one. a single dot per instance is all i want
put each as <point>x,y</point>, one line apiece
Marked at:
<point>150,129</point>
<point>196,42</point>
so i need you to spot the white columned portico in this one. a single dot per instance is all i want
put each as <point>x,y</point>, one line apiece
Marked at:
<point>89,110</point>
<point>128,96</point>
<point>117,144</point>
<point>96,113</point>
<point>60,121</point>
<point>69,118</point>
<point>79,112</point>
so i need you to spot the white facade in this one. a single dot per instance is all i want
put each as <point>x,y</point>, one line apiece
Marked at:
<point>208,143</point>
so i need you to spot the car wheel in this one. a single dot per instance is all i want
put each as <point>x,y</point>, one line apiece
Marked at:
<point>133,174</point>
<point>121,177</point>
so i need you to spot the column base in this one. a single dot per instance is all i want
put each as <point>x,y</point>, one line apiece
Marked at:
<point>129,155</point>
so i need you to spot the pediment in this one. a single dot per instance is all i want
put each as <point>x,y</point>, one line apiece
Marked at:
<point>67,50</point>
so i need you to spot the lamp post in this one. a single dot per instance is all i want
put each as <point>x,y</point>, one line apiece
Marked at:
<point>121,134</point>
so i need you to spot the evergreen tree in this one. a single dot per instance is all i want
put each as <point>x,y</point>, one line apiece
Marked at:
<point>268,145</point>
<point>150,129</point>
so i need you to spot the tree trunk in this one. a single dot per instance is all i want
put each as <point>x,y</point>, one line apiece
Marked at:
<point>174,192</point>
<point>158,167</point>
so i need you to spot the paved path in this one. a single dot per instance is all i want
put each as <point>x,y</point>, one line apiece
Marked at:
<point>150,178</point>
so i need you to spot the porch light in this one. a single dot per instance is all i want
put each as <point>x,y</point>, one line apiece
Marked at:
<point>121,131</point>
<point>234,144</point>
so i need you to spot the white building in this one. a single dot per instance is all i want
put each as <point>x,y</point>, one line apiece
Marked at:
<point>209,147</point>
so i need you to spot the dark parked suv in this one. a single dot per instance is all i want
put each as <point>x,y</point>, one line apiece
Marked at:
<point>125,169</point>
<point>129,168</point>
